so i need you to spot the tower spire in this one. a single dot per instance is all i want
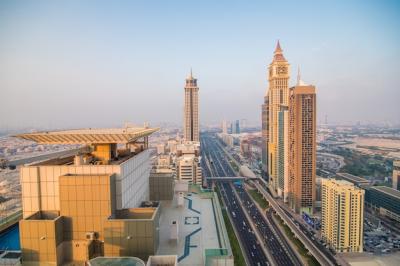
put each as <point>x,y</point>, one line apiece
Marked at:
<point>278,53</point>
<point>278,48</point>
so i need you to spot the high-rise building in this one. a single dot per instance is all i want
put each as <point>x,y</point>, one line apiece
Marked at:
<point>74,205</point>
<point>278,95</point>
<point>224,127</point>
<point>191,115</point>
<point>283,153</point>
<point>237,127</point>
<point>302,147</point>
<point>396,175</point>
<point>264,133</point>
<point>342,215</point>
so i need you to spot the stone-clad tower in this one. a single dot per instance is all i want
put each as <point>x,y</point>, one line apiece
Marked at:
<point>278,94</point>
<point>191,116</point>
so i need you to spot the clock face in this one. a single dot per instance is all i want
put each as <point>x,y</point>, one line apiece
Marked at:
<point>281,70</point>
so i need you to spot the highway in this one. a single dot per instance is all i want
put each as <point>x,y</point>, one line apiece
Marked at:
<point>277,246</point>
<point>248,239</point>
<point>322,255</point>
<point>237,200</point>
<point>316,249</point>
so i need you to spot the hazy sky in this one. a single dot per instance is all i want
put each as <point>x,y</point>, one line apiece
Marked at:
<point>101,63</point>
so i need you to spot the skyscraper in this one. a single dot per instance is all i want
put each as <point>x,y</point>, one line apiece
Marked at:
<point>264,133</point>
<point>302,147</point>
<point>278,96</point>
<point>191,116</point>
<point>342,215</point>
<point>237,127</point>
<point>224,127</point>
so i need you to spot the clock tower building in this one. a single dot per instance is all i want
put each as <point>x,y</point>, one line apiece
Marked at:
<point>278,94</point>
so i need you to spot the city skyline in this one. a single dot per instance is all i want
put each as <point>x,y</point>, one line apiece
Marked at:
<point>62,53</point>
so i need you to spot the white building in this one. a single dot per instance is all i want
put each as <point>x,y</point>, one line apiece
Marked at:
<point>188,169</point>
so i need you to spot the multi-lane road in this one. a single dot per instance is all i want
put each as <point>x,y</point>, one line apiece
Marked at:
<point>323,256</point>
<point>214,166</point>
<point>266,246</point>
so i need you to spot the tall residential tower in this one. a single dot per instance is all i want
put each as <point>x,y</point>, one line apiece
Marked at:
<point>342,215</point>
<point>302,147</point>
<point>191,116</point>
<point>278,98</point>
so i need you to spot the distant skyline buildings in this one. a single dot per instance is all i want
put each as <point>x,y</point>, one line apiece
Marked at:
<point>49,46</point>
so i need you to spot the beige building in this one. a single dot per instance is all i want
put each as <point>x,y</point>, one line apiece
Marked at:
<point>172,145</point>
<point>161,148</point>
<point>278,94</point>
<point>188,169</point>
<point>396,175</point>
<point>342,215</point>
<point>91,204</point>
<point>302,147</point>
<point>191,113</point>
<point>188,147</point>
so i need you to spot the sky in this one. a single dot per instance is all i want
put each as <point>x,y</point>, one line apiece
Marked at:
<point>69,64</point>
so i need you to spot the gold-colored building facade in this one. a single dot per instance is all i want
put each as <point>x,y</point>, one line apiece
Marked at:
<point>342,215</point>
<point>278,94</point>
<point>302,148</point>
<point>78,207</point>
<point>88,225</point>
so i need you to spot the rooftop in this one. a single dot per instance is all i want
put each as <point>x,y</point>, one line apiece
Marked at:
<point>44,215</point>
<point>200,228</point>
<point>352,178</point>
<point>89,136</point>
<point>388,190</point>
<point>116,261</point>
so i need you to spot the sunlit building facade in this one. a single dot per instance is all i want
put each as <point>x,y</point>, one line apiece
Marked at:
<point>278,94</point>
<point>79,207</point>
<point>342,215</point>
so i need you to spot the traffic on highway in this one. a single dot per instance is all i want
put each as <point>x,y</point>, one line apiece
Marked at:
<point>267,246</point>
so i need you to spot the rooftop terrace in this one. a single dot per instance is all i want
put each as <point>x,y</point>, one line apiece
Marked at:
<point>201,229</point>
